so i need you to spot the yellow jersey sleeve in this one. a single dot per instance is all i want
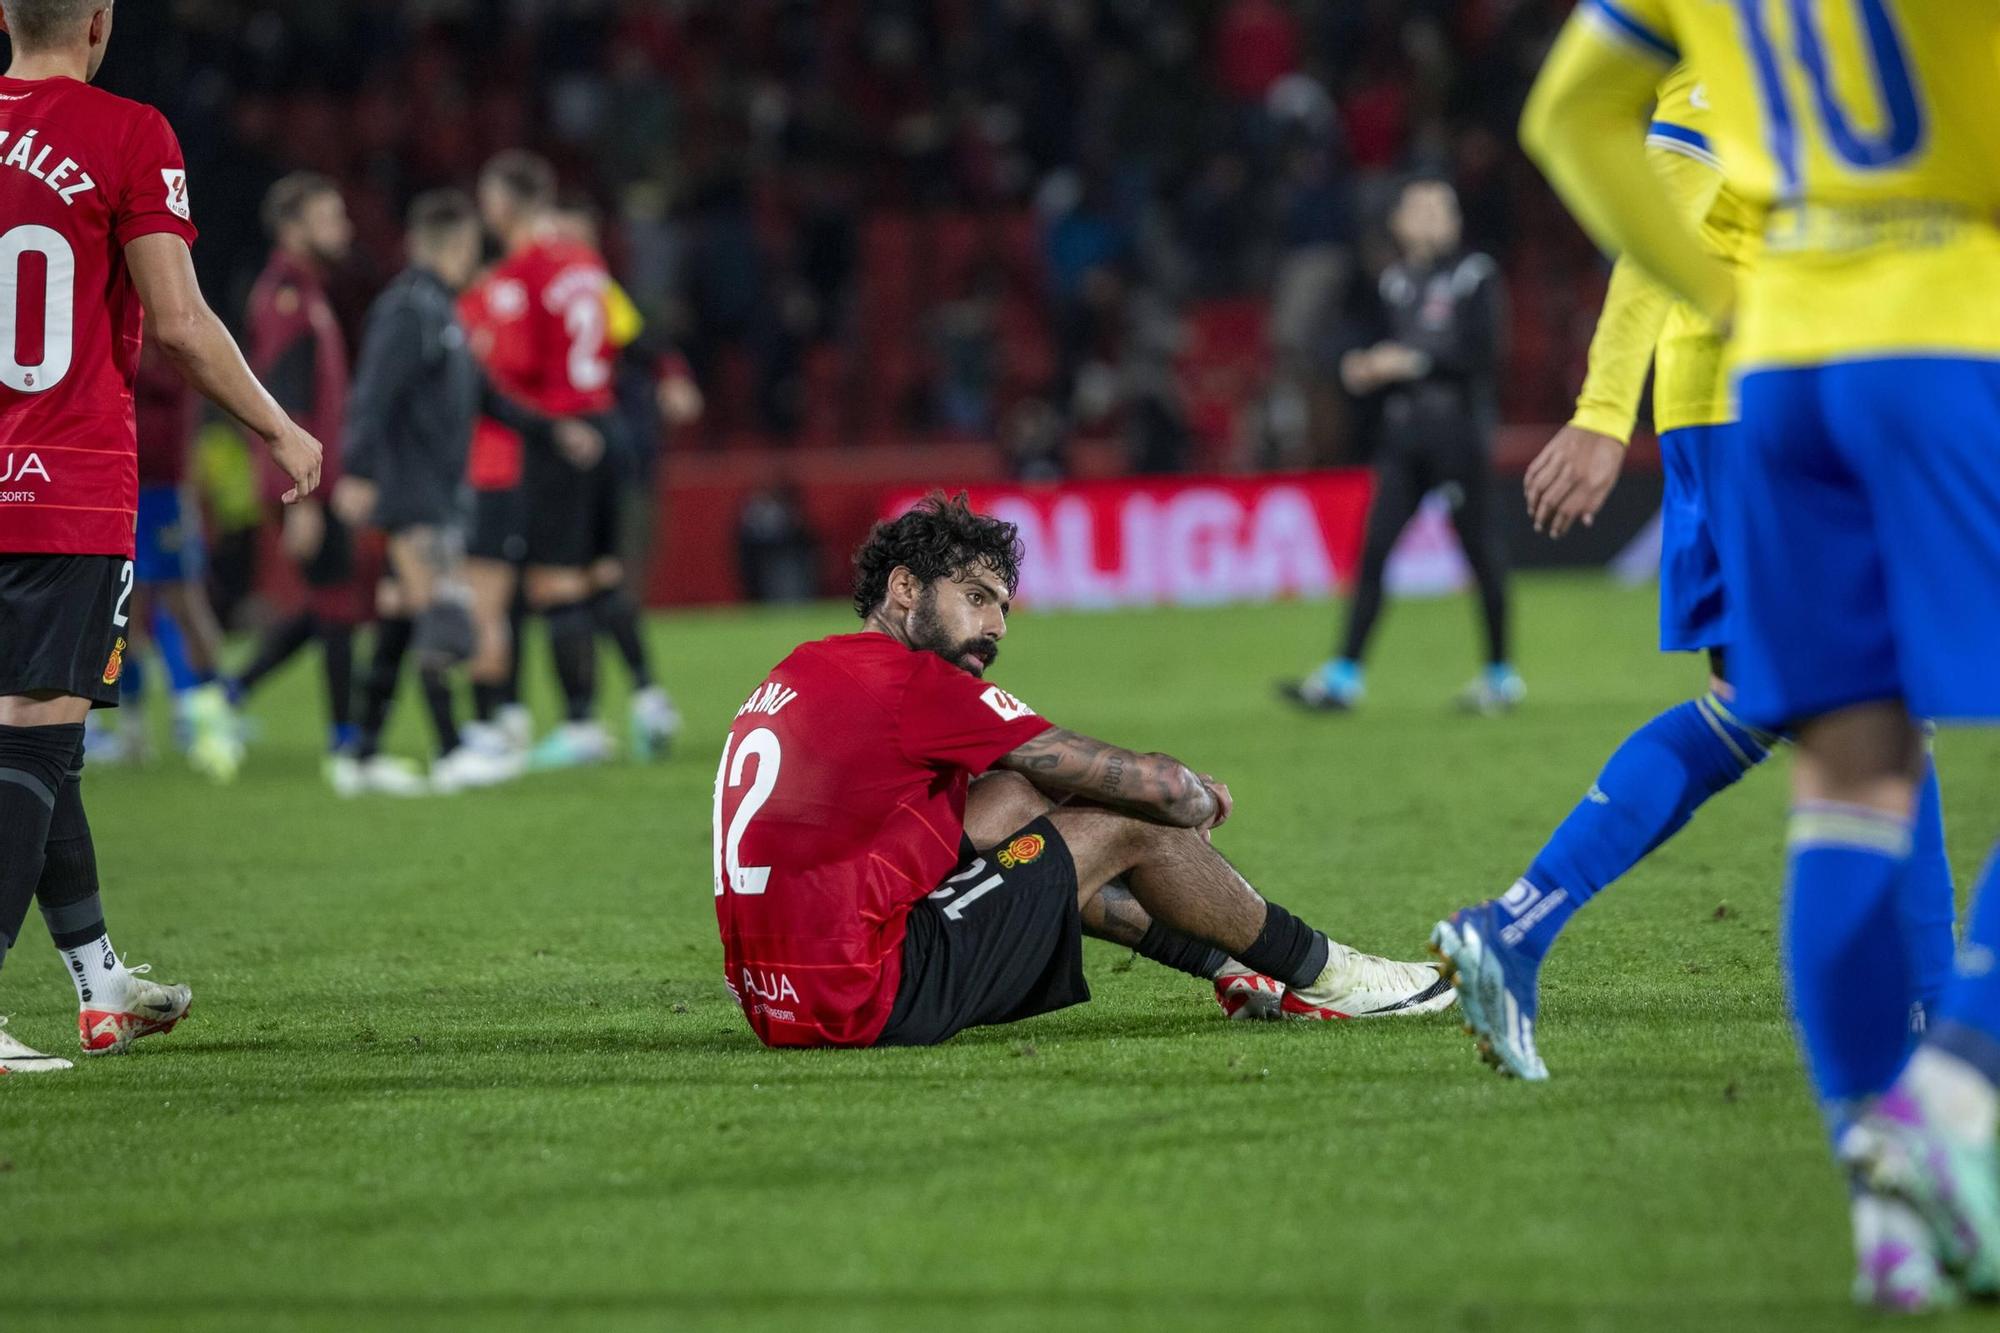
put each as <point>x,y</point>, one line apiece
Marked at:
<point>1642,323</point>
<point>623,322</point>
<point>1621,350</point>
<point>1586,122</point>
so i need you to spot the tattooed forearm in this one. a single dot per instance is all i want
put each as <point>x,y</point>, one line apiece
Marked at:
<point>1156,786</point>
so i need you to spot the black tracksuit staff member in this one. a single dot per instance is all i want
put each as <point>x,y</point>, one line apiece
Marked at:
<point>417,392</point>
<point>1444,312</point>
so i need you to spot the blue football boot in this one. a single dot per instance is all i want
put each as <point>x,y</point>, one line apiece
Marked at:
<point>1496,988</point>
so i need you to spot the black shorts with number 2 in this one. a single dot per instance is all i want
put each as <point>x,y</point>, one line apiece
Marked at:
<point>999,941</point>
<point>62,625</point>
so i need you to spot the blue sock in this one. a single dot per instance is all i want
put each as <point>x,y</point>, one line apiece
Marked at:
<point>1969,1014</point>
<point>132,679</point>
<point>181,675</point>
<point>1847,969</point>
<point>1927,905</point>
<point>343,737</point>
<point>1649,787</point>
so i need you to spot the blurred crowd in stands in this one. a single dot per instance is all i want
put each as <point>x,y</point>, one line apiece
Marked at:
<point>1032,221</point>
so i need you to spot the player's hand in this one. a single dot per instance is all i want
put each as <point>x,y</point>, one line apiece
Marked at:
<point>354,499</point>
<point>1399,364</point>
<point>298,456</point>
<point>679,400</point>
<point>1358,372</point>
<point>579,442</point>
<point>303,531</point>
<point>1224,802</point>
<point>1571,478</point>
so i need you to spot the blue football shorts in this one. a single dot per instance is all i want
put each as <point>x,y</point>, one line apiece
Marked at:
<point>1860,538</point>
<point>1691,597</point>
<point>167,542</point>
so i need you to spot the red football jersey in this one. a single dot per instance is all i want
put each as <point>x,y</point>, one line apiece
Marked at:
<point>82,174</point>
<point>166,411</point>
<point>551,349</point>
<point>840,803</point>
<point>297,349</point>
<point>493,462</point>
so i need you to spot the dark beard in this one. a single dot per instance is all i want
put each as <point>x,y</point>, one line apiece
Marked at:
<point>928,634</point>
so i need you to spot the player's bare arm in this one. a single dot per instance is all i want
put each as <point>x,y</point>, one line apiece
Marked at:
<point>181,324</point>
<point>1157,787</point>
<point>1572,477</point>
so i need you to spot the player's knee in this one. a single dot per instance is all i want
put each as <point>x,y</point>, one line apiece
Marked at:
<point>551,586</point>
<point>445,635</point>
<point>1000,803</point>
<point>1869,755</point>
<point>1140,840</point>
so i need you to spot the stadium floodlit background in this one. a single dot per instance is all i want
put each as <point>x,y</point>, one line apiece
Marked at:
<point>468,1061</point>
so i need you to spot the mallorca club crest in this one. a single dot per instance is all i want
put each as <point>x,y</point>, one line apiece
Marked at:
<point>116,666</point>
<point>1024,850</point>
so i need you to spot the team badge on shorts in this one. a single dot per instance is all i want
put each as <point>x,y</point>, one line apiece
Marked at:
<point>1024,850</point>
<point>115,668</point>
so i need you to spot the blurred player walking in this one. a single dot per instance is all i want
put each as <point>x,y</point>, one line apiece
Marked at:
<point>657,398</point>
<point>1436,373</point>
<point>94,196</point>
<point>546,314</point>
<point>417,392</point>
<point>1665,771</point>
<point>1860,532</point>
<point>297,347</point>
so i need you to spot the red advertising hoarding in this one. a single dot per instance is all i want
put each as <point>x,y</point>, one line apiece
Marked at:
<point>1181,540</point>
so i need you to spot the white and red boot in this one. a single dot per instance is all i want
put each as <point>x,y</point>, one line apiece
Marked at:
<point>1248,995</point>
<point>109,1023</point>
<point>1360,985</point>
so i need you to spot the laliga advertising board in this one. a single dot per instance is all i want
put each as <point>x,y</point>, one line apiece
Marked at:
<point>1202,541</point>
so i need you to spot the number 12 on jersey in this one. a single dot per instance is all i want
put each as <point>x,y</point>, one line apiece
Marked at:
<point>762,746</point>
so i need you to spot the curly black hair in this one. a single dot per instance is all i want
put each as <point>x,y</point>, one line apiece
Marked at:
<point>938,538</point>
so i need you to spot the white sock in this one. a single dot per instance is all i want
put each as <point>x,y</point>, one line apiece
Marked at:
<point>101,980</point>
<point>1956,1093</point>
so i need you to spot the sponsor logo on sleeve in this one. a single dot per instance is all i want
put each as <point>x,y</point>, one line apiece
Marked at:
<point>1006,705</point>
<point>177,191</point>
<point>1024,850</point>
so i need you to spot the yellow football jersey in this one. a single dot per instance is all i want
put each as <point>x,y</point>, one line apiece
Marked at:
<point>1865,137</point>
<point>1641,321</point>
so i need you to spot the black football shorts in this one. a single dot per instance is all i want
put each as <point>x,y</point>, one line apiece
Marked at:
<point>499,527</point>
<point>333,564</point>
<point>999,941</point>
<point>571,512</point>
<point>63,624</point>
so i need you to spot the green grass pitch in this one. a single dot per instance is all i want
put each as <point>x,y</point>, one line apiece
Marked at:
<point>469,1063</point>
